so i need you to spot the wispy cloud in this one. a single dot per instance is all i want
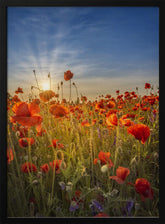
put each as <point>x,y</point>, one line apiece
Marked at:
<point>94,46</point>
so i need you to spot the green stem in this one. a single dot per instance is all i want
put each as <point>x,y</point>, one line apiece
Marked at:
<point>70,92</point>
<point>36,79</point>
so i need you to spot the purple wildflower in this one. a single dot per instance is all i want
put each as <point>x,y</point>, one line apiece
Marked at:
<point>62,185</point>
<point>129,206</point>
<point>151,119</point>
<point>127,210</point>
<point>94,212</point>
<point>99,132</point>
<point>114,143</point>
<point>97,205</point>
<point>73,206</point>
<point>154,115</point>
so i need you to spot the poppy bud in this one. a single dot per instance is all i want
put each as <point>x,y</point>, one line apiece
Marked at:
<point>134,162</point>
<point>17,134</point>
<point>63,165</point>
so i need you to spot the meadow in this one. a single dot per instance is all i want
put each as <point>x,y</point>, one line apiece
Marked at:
<point>85,158</point>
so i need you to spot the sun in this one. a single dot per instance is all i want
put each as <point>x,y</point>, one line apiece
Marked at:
<point>45,86</point>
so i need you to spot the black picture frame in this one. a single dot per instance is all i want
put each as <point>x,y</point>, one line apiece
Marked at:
<point>3,105</point>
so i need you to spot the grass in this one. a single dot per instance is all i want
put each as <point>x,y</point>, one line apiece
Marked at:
<point>39,194</point>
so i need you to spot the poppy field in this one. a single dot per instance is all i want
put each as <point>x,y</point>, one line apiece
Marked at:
<point>85,158</point>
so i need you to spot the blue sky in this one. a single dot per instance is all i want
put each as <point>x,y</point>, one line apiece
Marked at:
<point>107,48</point>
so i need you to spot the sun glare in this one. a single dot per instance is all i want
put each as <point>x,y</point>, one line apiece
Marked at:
<point>45,86</point>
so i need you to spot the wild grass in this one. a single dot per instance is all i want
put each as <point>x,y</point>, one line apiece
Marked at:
<point>39,194</point>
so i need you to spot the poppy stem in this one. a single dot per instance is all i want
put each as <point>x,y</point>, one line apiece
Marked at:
<point>36,79</point>
<point>49,80</point>
<point>117,147</point>
<point>76,91</point>
<point>62,91</point>
<point>139,158</point>
<point>70,92</point>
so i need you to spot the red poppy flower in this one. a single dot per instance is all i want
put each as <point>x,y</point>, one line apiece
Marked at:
<point>101,215</point>
<point>36,101</point>
<point>56,144</point>
<point>58,110</point>
<point>22,131</point>
<point>19,90</point>
<point>56,95</point>
<point>117,91</point>
<point>140,132</point>
<point>104,158</point>
<point>108,96</point>
<point>151,100</point>
<point>68,75</point>
<point>26,114</point>
<point>10,155</point>
<point>85,123</point>
<point>16,99</point>
<point>76,198</point>
<point>111,104</point>
<point>99,105</point>
<point>46,95</point>
<point>121,174</point>
<point>112,120</point>
<point>24,142</point>
<point>40,130</point>
<point>134,108</point>
<point>63,101</point>
<point>126,122</point>
<point>84,98</point>
<point>155,111</point>
<point>45,168</point>
<point>147,86</point>
<point>141,118</point>
<point>28,167</point>
<point>41,133</point>
<point>56,165</point>
<point>143,187</point>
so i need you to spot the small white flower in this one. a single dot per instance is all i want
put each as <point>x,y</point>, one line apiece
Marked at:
<point>26,157</point>
<point>104,168</point>
<point>69,186</point>
<point>34,158</point>
<point>156,155</point>
<point>114,192</point>
<point>35,182</point>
